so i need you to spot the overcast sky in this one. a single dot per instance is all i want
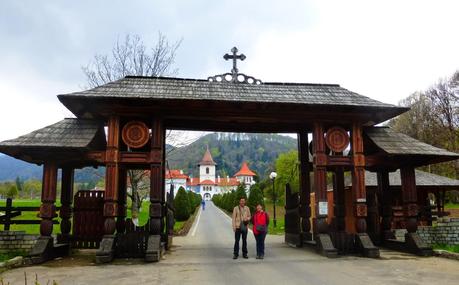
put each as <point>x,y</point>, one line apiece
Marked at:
<point>382,49</point>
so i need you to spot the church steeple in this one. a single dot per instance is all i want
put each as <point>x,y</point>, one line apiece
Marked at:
<point>207,158</point>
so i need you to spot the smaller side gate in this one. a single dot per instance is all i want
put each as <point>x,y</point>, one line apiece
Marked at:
<point>88,219</point>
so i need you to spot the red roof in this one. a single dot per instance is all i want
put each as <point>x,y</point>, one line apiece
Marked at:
<point>245,171</point>
<point>175,174</point>
<point>228,182</point>
<point>207,182</point>
<point>192,182</point>
<point>207,158</point>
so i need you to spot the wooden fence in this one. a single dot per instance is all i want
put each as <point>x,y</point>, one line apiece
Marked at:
<point>10,212</point>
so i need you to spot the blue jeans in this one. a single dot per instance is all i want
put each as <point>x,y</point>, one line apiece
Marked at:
<point>237,237</point>
<point>260,239</point>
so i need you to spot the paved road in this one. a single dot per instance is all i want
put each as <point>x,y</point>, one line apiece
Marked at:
<point>205,257</point>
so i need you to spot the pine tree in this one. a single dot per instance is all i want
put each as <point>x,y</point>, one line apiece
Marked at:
<point>182,205</point>
<point>255,198</point>
<point>240,193</point>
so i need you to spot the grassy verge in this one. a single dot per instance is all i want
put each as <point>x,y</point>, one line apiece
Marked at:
<point>452,248</point>
<point>8,255</point>
<point>451,206</point>
<point>181,228</point>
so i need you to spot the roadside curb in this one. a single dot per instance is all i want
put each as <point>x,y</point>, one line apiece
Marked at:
<point>446,254</point>
<point>11,263</point>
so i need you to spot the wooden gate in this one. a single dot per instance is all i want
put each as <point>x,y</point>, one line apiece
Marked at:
<point>292,218</point>
<point>88,219</point>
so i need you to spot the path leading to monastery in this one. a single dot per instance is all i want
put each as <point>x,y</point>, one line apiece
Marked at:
<point>205,257</point>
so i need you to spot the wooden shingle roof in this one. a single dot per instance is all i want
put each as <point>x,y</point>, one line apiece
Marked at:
<point>395,143</point>
<point>423,179</point>
<point>68,137</point>
<point>193,89</point>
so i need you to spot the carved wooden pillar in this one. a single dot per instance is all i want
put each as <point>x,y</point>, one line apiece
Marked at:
<point>358,179</point>
<point>66,201</point>
<point>112,175</point>
<point>320,179</point>
<point>122,199</point>
<point>339,200</point>
<point>386,204</point>
<point>157,178</point>
<point>48,197</point>
<point>305,185</point>
<point>409,198</point>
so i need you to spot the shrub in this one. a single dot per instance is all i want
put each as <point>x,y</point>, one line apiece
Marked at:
<point>182,205</point>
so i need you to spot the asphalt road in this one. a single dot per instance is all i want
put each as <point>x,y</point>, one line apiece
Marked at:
<point>205,257</point>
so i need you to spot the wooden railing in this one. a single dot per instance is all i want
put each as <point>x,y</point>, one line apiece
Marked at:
<point>10,212</point>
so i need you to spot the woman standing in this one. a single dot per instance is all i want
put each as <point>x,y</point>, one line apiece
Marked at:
<point>260,221</point>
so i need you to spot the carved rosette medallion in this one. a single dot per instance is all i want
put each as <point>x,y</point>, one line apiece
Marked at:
<point>135,134</point>
<point>337,139</point>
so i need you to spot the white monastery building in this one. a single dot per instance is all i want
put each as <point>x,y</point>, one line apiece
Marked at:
<point>207,183</point>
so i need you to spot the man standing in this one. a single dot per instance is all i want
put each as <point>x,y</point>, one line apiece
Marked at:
<point>241,218</point>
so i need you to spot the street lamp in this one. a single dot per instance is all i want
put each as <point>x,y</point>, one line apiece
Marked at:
<point>273,176</point>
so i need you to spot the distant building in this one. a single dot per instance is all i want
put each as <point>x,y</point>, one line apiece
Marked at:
<point>208,184</point>
<point>176,179</point>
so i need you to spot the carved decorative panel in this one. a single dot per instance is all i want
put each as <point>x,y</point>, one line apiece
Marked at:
<point>135,134</point>
<point>337,139</point>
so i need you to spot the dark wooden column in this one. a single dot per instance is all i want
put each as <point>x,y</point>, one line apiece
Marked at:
<point>386,204</point>
<point>66,202</point>
<point>112,175</point>
<point>409,198</point>
<point>320,179</point>
<point>358,179</point>
<point>338,199</point>
<point>305,185</point>
<point>48,198</point>
<point>122,200</point>
<point>157,178</point>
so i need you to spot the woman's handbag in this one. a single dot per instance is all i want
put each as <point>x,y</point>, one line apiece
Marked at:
<point>261,228</point>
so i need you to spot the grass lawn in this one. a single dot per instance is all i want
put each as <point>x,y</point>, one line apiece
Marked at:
<point>280,214</point>
<point>35,229</point>
<point>452,248</point>
<point>451,206</point>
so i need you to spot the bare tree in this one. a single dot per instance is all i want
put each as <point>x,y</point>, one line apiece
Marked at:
<point>132,57</point>
<point>434,119</point>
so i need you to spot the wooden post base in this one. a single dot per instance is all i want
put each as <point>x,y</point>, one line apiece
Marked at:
<point>42,250</point>
<point>343,241</point>
<point>154,249</point>
<point>366,246</point>
<point>414,244</point>
<point>105,253</point>
<point>45,249</point>
<point>325,246</point>
<point>294,240</point>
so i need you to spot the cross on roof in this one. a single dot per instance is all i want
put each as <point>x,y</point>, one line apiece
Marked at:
<point>234,57</point>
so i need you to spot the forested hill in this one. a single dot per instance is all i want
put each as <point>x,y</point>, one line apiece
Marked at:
<point>229,150</point>
<point>10,168</point>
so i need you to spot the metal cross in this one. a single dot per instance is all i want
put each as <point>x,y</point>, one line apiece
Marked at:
<point>234,57</point>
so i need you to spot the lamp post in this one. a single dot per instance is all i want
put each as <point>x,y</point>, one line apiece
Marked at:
<point>273,176</point>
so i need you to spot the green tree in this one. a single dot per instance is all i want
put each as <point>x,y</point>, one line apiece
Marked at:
<point>240,193</point>
<point>182,205</point>
<point>19,184</point>
<point>255,197</point>
<point>12,192</point>
<point>32,188</point>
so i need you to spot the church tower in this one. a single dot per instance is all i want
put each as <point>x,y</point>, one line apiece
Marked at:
<point>207,167</point>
